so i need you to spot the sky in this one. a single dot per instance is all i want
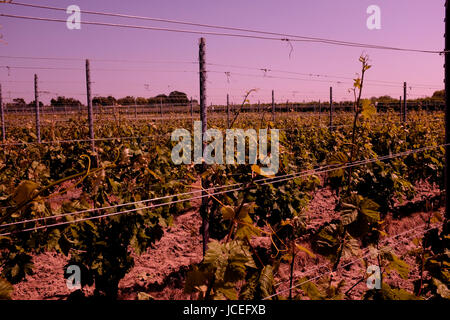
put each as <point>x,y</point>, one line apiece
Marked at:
<point>155,62</point>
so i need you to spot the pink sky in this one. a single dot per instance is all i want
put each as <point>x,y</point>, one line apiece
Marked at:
<point>414,24</point>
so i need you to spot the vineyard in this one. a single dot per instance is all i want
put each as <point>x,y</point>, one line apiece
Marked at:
<point>310,231</point>
<point>93,204</point>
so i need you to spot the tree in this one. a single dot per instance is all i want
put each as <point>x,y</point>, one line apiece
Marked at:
<point>126,101</point>
<point>104,101</point>
<point>19,102</point>
<point>33,103</point>
<point>63,101</point>
<point>178,97</point>
<point>141,100</point>
<point>160,98</point>
<point>439,94</point>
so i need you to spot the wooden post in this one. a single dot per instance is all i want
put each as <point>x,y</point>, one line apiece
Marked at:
<point>331,108</point>
<point>228,111</point>
<point>37,111</point>
<point>2,113</point>
<point>405,107</point>
<point>89,105</point>
<point>259,106</point>
<point>192,109</point>
<point>135,110</point>
<point>204,120</point>
<point>273,106</point>
<point>447,115</point>
<point>160,107</point>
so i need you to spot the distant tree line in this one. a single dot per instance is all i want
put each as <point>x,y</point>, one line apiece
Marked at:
<point>175,97</point>
<point>181,98</point>
<point>20,103</point>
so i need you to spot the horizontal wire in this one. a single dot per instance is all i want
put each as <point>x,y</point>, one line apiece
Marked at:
<point>97,59</point>
<point>286,37</point>
<point>400,85</point>
<point>266,70</point>
<point>96,69</point>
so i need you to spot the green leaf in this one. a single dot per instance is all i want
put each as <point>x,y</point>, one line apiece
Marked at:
<point>194,279</point>
<point>395,263</point>
<point>336,160</point>
<point>227,213</point>
<point>389,293</point>
<point>266,281</point>
<point>24,191</point>
<point>245,229</point>
<point>310,289</point>
<point>368,109</point>
<point>5,289</point>
<point>370,209</point>
<point>348,216</point>
<point>229,291</point>
<point>249,288</point>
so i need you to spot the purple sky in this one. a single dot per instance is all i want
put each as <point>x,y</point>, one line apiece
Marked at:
<point>404,23</point>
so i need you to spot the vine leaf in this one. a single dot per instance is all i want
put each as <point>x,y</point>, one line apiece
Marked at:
<point>337,159</point>
<point>5,290</point>
<point>227,213</point>
<point>368,109</point>
<point>24,191</point>
<point>311,290</point>
<point>397,264</point>
<point>348,216</point>
<point>389,293</point>
<point>355,205</point>
<point>266,281</point>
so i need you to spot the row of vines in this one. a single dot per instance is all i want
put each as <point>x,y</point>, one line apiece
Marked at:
<point>124,173</point>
